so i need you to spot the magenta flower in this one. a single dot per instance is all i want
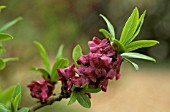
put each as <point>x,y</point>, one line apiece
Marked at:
<point>68,77</point>
<point>95,68</point>
<point>41,90</point>
<point>67,73</point>
<point>101,46</point>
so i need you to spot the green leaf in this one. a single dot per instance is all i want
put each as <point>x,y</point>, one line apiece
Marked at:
<point>10,59</point>
<point>130,27</point>
<point>16,102</point>
<point>9,24</point>
<point>137,56</point>
<point>4,61</point>
<point>73,98</point>
<point>44,73</point>
<point>2,49</point>
<point>92,89</point>
<point>77,52</point>
<point>16,91</point>
<point>83,100</point>
<point>60,52</point>
<point>106,33</point>
<point>6,95</point>
<point>16,98</point>
<point>60,63</point>
<point>4,36</point>
<point>132,63</point>
<point>44,55</point>
<point>118,46</point>
<point>3,108</point>
<point>140,44</point>
<point>24,109</point>
<point>2,7</point>
<point>2,64</point>
<point>110,27</point>
<point>140,22</point>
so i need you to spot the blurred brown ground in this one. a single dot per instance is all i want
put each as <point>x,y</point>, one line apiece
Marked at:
<point>144,91</point>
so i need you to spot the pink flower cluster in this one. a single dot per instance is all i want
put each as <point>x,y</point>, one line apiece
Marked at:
<point>41,89</point>
<point>96,68</point>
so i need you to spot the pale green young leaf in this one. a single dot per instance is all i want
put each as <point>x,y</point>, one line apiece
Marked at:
<point>2,7</point>
<point>3,108</point>
<point>60,52</point>
<point>16,97</point>
<point>2,64</point>
<point>137,56</point>
<point>60,63</point>
<point>10,59</point>
<point>106,33</point>
<point>6,95</point>
<point>83,100</point>
<point>2,49</point>
<point>44,73</point>
<point>118,46</point>
<point>24,109</point>
<point>73,98</point>
<point>9,24</point>
<point>44,55</point>
<point>130,27</point>
<point>4,36</point>
<point>140,44</point>
<point>140,22</point>
<point>110,27</point>
<point>15,102</point>
<point>77,52</point>
<point>132,63</point>
<point>16,91</point>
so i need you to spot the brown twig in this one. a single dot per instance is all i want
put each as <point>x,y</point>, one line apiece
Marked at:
<point>49,101</point>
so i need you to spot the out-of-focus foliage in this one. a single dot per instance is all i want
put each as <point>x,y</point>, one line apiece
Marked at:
<point>64,21</point>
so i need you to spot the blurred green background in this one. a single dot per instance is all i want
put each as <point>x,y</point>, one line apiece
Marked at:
<point>69,22</point>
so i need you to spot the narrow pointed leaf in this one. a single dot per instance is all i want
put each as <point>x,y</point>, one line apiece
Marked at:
<point>130,27</point>
<point>132,63</point>
<point>140,22</point>
<point>110,27</point>
<point>9,24</point>
<point>77,52</point>
<point>60,52</point>
<point>44,73</point>
<point>140,44</point>
<point>44,55</point>
<point>106,34</point>
<point>16,91</point>
<point>73,98</point>
<point>16,97</point>
<point>60,63</point>
<point>83,100</point>
<point>16,102</point>
<point>138,56</point>
<point>4,36</point>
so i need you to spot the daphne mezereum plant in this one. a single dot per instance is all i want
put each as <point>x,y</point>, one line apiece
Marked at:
<point>90,73</point>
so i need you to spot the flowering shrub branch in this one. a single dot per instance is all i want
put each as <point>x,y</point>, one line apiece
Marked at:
<point>90,73</point>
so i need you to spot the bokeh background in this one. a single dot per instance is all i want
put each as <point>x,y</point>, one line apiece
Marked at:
<point>69,22</point>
